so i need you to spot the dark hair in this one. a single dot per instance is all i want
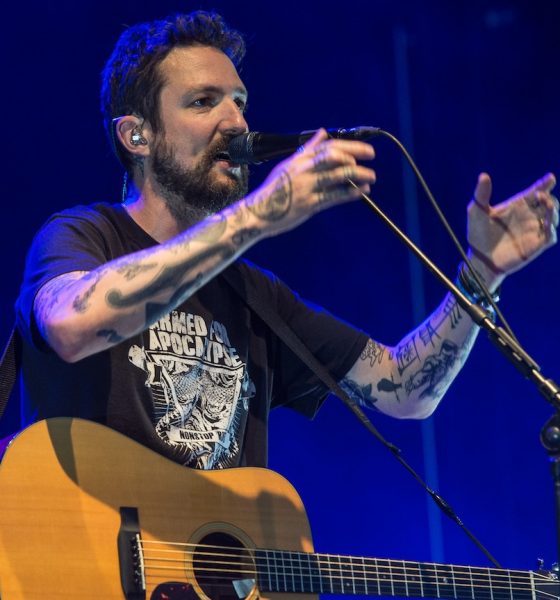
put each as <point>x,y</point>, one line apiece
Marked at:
<point>131,81</point>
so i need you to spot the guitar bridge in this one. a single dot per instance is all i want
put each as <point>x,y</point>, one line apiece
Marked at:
<point>131,557</point>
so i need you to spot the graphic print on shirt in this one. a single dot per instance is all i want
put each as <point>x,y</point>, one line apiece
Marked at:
<point>200,387</point>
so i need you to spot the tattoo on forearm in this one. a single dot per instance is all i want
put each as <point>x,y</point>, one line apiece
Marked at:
<point>434,372</point>
<point>359,393</point>
<point>156,310</point>
<point>275,206</point>
<point>245,235</point>
<point>238,214</point>
<point>373,353</point>
<point>406,355</point>
<point>427,333</point>
<point>129,271</point>
<point>110,335</point>
<point>170,278</point>
<point>451,309</point>
<point>212,230</point>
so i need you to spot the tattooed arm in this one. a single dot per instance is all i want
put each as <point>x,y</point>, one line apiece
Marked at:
<point>80,314</point>
<point>410,379</point>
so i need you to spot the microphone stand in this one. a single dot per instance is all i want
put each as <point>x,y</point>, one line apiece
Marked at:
<point>510,348</point>
<point>550,439</point>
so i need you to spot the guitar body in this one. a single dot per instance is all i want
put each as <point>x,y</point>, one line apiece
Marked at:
<point>64,483</point>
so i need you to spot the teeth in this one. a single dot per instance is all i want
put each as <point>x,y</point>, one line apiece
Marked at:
<point>222,156</point>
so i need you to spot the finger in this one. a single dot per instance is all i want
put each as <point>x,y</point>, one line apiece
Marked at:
<point>358,149</point>
<point>319,136</point>
<point>342,175</point>
<point>545,184</point>
<point>328,156</point>
<point>483,191</point>
<point>340,194</point>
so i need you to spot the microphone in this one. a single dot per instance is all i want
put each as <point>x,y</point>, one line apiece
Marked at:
<point>254,147</point>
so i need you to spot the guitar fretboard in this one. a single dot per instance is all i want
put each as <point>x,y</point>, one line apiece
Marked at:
<point>282,571</point>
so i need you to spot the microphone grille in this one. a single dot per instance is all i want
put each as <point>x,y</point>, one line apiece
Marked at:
<point>240,148</point>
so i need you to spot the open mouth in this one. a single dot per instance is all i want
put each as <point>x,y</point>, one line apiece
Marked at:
<point>223,155</point>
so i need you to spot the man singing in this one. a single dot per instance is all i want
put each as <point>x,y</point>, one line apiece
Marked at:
<point>127,313</point>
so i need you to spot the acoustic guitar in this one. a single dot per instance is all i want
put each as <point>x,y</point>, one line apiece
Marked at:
<point>88,513</point>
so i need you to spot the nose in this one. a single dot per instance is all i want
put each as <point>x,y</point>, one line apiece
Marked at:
<point>233,121</point>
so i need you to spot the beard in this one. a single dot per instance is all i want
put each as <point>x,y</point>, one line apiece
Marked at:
<point>192,194</point>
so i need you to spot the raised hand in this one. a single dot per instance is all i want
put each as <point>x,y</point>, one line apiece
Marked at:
<point>507,236</point>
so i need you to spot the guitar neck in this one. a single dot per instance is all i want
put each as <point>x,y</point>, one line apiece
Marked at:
<point>301,572</point>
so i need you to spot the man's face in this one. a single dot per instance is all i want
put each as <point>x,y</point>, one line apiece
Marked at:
<point>201,107</point>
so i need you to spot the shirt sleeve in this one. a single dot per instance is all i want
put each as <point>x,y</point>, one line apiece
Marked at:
<point>335,343</point>
<point>67,242</point>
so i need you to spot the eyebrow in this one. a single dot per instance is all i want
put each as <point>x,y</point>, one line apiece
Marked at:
<point>216,90</point>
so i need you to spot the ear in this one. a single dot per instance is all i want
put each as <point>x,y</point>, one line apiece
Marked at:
<point>134,135</point>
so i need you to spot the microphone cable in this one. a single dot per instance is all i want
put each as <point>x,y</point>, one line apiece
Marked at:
<point>487,295</point>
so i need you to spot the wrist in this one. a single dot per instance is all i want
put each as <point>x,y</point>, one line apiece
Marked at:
<point>491,278</point>
<point>470,286</point>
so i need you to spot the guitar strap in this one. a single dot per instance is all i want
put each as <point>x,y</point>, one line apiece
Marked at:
<point>9,367</point>
<point>250,295</point>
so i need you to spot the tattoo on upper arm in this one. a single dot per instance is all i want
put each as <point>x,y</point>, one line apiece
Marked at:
<point>80,303</point>
<point>389,386</point>
<point>359,393</point>
<point>373,352</point>
<point>49,294</point>
<point>275,206</point>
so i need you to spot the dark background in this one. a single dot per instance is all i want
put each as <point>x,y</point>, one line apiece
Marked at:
<point>469,86</point>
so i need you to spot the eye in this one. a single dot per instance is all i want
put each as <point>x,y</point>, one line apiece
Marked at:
<point>203,102</point>
<point>242,104</point>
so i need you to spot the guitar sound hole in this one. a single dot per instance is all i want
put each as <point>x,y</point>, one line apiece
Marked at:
<point>219,560</point>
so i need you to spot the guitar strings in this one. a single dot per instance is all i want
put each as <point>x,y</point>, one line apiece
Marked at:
<point>155,575</point>
<point>449,576</point>
<point>351,561</point>
<point>330,583</point>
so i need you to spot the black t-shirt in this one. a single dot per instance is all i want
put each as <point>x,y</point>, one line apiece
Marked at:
<point>197,385</point>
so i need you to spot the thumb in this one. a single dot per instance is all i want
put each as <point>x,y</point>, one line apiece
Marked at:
<point>483,191</point>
